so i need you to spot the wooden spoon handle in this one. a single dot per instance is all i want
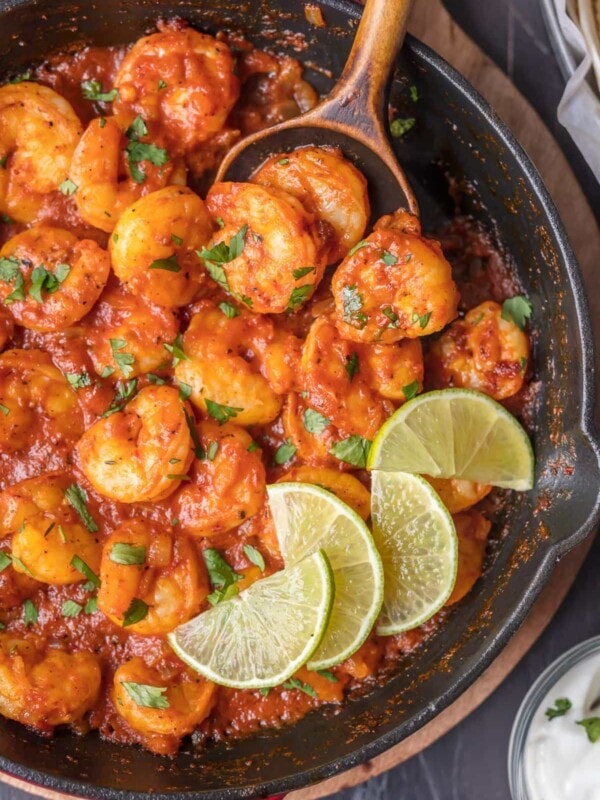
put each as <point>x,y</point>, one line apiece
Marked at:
<point>377,42</point>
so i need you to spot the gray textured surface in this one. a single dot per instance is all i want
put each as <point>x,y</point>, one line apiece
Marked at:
<point>470,762</point>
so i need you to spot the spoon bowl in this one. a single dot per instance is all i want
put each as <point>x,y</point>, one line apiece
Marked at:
<point>352,118</point>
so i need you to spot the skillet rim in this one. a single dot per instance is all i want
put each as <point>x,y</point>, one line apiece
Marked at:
<point>41,781</point>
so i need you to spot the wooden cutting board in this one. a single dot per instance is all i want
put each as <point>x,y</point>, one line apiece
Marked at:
<point>431,23</point>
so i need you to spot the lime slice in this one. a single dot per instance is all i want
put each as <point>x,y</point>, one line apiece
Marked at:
<point>456,433</point>
<point>307,518</point>
<point>415,535</point>
<point>266,633</point>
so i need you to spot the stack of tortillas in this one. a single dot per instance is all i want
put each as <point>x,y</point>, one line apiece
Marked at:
<point>586,15</point>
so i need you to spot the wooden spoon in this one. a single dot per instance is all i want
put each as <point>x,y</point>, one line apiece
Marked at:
<point>353,117</point>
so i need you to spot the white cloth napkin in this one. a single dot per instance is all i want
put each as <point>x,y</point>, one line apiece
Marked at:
<point>579,108</point>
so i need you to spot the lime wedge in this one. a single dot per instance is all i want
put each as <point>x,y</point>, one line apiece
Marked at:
<point>455,433</point>
<point>308,518</point>
<point>415,535</point>
<point>266,633</point>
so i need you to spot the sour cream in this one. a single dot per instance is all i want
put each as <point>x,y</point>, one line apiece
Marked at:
<point>560,762</point>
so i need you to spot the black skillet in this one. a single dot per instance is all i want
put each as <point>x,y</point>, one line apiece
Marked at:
<point>456,134</point>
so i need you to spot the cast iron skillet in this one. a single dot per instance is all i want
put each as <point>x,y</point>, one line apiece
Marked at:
<point>456,133</point>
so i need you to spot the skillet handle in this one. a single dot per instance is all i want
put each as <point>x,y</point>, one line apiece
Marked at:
<point>378,40</point>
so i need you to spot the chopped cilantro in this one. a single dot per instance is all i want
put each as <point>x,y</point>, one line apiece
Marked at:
<point>30,613</point>
<point>142,151</point>
<point>91,606</point>
<point>67,187</point>
<point>146,696</point>
<point>229,310</point>
<point>592,728</point>
<point>169,264</point>
<point>299,295</point>
<point>124,391</point>
<point>423,320</point>
<point>399,127</point>
<point>411,390</point>
<point>221,413</point>
<point>353,450</point>
<point>351,365</point>
<point>71,609</point>
<point>222,577</point>
<point>4,409</point>
<point>414,93</point>
<point>358,246</point>
<point>392,316</point>
<point>87,572</point>
<point>211,452</point>
<point>155,379</point>
<point>177,240</point>
<point>161,85</point>
<point>315,422</point>
<point>222,253</point>
<point>329,676</point>
<point>389,259</point>
<point>176,350</point>
<point>197,444</point>
<point>285,452</point>
<point>185,390</point>
<point>42,280</point>
<point>5,560</point>
<point>301,272</point>
<point>77,497</point>
<point>294,683</point>
<point>517,310</point>
<point>136,612</point>
<point>123,360</point>
<point>254,556</point>
<point>560,708</point>
<point>128,554</point>
<point>352,303</point>
<point>92,90</point>
<point>78,380</point>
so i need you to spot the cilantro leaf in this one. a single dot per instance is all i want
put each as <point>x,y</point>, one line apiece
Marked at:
<point>77,497</point>
<point>411,390</point>
<point>229,310</point>
<point>414,93</point>
<point>124,392</point>
<point>392,316</point>
<point>169,264</point>
<point>352,302</point>
<point>197,444</point>
<point>223,253</point>
<point>315,422</point>
<point>222,577</point>
<point>517,310</point>
<point>302,271</point>
<point>329,676</point>
<point>185,390</point>
<point>221,413</point>
<point>18,292</point>
<point>213,449</point>
<point>423,320</point>
<point>71,609</point>
<point>592,728</point>
<point>146,696</point>
<point>254,556</point>
<point>294,683</point>
<point>389,259</point>
<point>351,365</point>
<point>299,295</point>
<point>399,127</point>
<point>358,246</point>
<point>67,187</point>
<point>9,269</point>
<point>5,560</point>
<point>560,708</point>
<point>176,350</point>
<point>128,554</point>
<point>30,613</point>
<point>123,360</point>
<point>177,240</point>
<point>142,151</point>
<point>136,612</point>
<point>353,450</point>
<point>137,129</point>
<point>78,380</point>
<point>92,90</point>
<point>285,452</point>
<point>91,606</point>
<point>87,572</point>
<point>4,409</point>
<point>42,280</point>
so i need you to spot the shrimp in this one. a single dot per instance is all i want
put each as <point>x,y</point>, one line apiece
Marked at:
<point>38,134</point>
<point>128,455</point>
<point>472,529</point>
<point>143,327</point>
<point>46,531</point>
<point>112,169</point>
<point>144,563</point>
<point>224,359</point>
<point>394,370</point>
<point>483,351</point>
<point>44,688</point>
<point>228,482</point>
<point>181,79</point>
<point>152,248</point>
<point>49,279</point>
<point>333,385</point>
<point>39,409</point>
<point>394,285</point>
<point>459,495</point>
<point>183,700</point>
<point>276,250</point>
<point>348,488</point>
<point>7,326</point>
<point>328,186</point>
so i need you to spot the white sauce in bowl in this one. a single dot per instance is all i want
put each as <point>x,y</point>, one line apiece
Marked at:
<point>560,762</point>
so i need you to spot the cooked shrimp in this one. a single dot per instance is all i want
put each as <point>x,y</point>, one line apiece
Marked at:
<point>395,285</point>
<point>38,134</point>
<point>185,700</point>
<point>111,170</point>
<point>228,483</point>
<point>276,249</point>
<point>333,385</point>
<point>7,326</point>
<point>394,370</point>
<point>127,456</point>
<point>14,586</point>
<point>472,529</point>
<point>181,79</point>
<point>483,351</point>
<point>328,186</point>
<point>47,533</point>
<point>224,359</point>
<point>143,327</point>
<point>56,278</point>
<point>38,406</point>
<point>152,248</point>
<point>43,689</point>
<point>458,495</point>
<point>348,488</point>
<point>141,561</point>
